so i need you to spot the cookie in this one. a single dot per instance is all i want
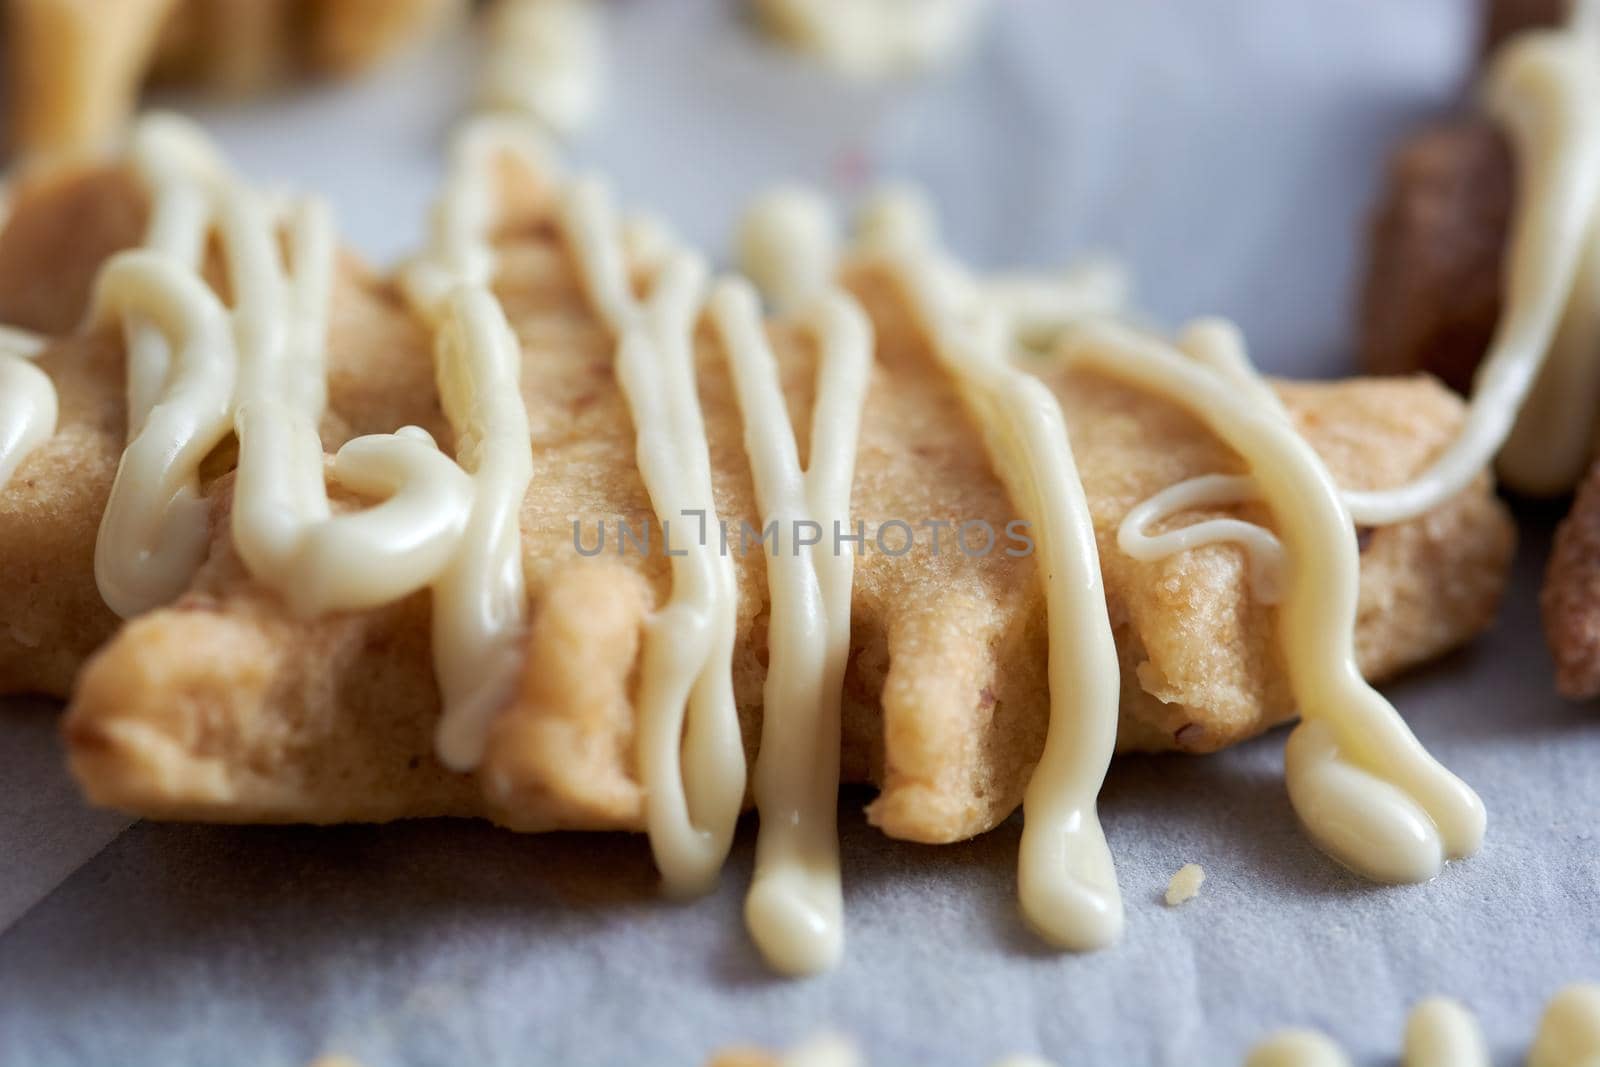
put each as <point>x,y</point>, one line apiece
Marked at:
<point>1432,294</point>
<point>873,39</point>
<point>1570,600</point>
<point>62,230</point>
<point>76,69</point>
<point>1485,248</point>
<point>227,706</point>
<point>349,36</point>
<point>543,58</point>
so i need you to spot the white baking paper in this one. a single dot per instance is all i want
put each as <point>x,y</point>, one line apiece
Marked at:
<point>1227,149</point>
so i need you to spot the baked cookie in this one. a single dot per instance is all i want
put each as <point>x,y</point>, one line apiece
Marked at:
<point>73,69</point>
<point>1432,294</point>
<point>604,630</point>
<point>1570,600</point>
<point>63,229</point>
<point>1486,247</point>
<point>76,67</point>
<point>945,703</point>
<point>874,38</point>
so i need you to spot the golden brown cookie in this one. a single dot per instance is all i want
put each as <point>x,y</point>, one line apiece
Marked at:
<point>76,66</point>
<point>62,228</point>
<point>225,707</point>
<point>348,36</point>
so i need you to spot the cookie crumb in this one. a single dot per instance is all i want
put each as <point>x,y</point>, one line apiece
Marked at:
<point>1185,885</point>
<point>825,1050</point>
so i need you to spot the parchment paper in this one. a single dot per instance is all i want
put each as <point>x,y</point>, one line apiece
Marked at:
<point>1227,149</point>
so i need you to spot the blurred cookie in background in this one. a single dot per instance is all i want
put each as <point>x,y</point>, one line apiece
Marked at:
<point>74,68</point>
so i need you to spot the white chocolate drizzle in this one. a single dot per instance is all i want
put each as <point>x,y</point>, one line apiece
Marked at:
<point>282,521</point>
<point>788,245</point>
<point>27,412</point>
<point>1440,1032</point>
<point>1534,396</point>
<point>479,595</point>
<point>831,1050</point>
<point>543,61</point>
<point>875,38</point>
<point>1038,307</point>
<point>1534,404</point>
<point>28,404</point>
<point>690,753</point>
<point>795,907</point>
<point>1220,346</point>
<point>1364,787</point>
<point>1297,1048</point>
<point>1543,87</point>
<point>1569,1032</point>
<point>181,366</point>
<point>1032,308</point>
<point>1067,880</point>
<point>1208,490</point>
<point>20,343</point>
<point>896,217</point>
<point>197,369</point>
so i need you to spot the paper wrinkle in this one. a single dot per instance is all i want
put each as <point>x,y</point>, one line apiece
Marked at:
<point>46,834</point>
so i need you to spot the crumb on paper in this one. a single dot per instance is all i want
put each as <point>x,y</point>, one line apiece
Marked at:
<point>1185,885</point>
